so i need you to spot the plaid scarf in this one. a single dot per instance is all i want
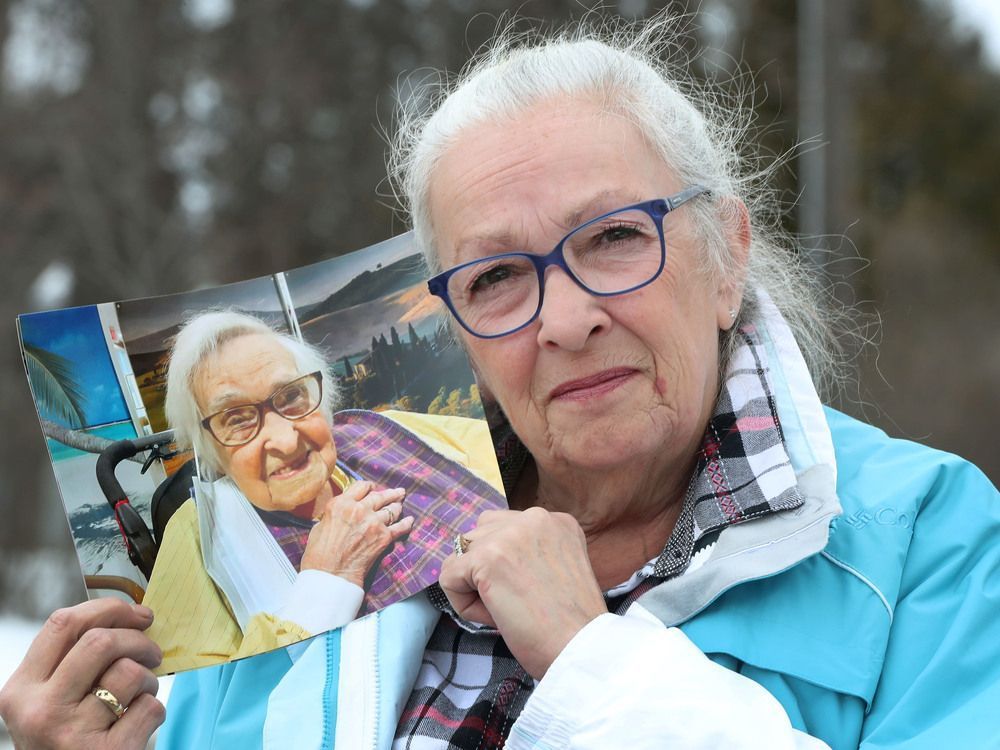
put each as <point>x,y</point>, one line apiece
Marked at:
<point>443,496</point>
<point>470,689</point>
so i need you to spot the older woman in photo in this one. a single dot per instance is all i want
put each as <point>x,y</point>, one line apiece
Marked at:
<point>698,553</point>
<point>258,408</point>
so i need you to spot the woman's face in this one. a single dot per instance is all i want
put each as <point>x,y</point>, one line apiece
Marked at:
<point>288,462</point>
<point>593,380</point>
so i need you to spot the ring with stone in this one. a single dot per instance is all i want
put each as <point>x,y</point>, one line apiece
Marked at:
<point>461,544</point>
<point>108,698</point>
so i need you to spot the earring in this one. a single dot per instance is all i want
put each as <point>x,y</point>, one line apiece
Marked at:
<point>732,314</point>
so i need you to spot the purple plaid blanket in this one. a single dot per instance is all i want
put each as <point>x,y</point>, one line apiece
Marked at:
<point>444,497</point>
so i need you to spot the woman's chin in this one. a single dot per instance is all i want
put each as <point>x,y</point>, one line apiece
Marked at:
<point>288,493</point>
<point>597,448</point>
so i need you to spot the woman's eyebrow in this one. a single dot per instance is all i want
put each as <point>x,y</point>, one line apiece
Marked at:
<point>600,203</point>
<point>499,240</point>
<point>226,399</point>
<point>502,240</point>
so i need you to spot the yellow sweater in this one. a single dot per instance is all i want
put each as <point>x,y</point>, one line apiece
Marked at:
<point>193,625</point>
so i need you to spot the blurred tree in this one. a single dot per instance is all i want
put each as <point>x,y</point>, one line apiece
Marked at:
<point>912,137</point>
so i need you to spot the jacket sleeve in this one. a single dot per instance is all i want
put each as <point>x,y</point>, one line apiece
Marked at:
<point>940,682</point>
<point>194,628</point>
<point>629,681</point>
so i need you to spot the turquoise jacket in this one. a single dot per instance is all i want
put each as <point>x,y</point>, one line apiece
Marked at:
<point>871,613</point>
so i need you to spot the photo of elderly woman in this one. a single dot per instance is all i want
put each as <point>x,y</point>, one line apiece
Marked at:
<point>322,465</point>
<point>363,505</point>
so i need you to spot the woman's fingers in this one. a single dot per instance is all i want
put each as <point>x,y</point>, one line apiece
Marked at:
<point>133,730</point>
<point>65,626</point>
<point>493,518</point>
<point>48,701</point>
<point>381,498</point>
<point>356,491</point>
<point>389,513</point>
<point>457,582</point>
<point>126,680</point>
<point>354,532</point>
<point>400,528</point>
<point>528,574</point>
<point>96,651</point>
<point>366,495</point>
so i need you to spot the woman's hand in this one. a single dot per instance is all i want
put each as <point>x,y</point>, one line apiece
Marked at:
<point>355,528</point>
<point>49,701</point>
<point>527,574</point>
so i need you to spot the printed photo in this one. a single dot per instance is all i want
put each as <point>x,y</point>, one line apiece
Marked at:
<point>313,441</point>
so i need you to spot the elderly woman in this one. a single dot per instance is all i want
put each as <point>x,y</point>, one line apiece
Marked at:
<point>698,553</point>
<point>252,403</point>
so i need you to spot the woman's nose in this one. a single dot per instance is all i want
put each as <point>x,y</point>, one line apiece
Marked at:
<point>570,315</point>
<point>279,434</point>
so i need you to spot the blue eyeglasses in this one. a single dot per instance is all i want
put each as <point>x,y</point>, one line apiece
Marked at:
<point>616,253</point>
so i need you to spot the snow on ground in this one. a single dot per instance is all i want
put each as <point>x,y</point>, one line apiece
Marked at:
<point>16,635</point>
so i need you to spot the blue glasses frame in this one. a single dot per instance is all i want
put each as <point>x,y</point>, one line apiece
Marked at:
<point>657,209</point>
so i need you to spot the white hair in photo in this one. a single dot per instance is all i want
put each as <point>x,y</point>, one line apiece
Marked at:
<point>200,337</point>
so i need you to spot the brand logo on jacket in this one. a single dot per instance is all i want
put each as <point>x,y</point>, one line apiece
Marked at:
<point>884,516</point>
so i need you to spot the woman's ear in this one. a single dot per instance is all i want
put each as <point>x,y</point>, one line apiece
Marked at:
<point>735,219</point>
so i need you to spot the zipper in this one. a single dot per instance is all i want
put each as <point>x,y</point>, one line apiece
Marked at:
<point>351,719</point>
<point>375,686</point>
<point>329,703</point>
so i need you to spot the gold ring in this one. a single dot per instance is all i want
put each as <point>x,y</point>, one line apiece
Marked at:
<point>392,517</point>
<point>108,699</point>
<point>461,544</point>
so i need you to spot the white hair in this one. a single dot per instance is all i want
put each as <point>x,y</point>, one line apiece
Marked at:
<point>199,338</point>
<point>700,133</point>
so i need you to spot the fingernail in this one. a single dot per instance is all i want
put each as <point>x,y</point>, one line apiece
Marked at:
<point>143,611</point>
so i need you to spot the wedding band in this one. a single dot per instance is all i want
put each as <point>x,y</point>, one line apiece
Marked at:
<point>461,545</point>
<point>392,517</point>
<point>108,699</point>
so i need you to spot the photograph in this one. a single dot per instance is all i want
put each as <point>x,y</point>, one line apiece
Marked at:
<point>318,465</point>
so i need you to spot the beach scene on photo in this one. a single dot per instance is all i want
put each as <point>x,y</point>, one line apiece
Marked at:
<point>81,408</point>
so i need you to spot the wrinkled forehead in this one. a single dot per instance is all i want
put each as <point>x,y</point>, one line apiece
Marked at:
<point>501,185</point>
<point>247,367</point>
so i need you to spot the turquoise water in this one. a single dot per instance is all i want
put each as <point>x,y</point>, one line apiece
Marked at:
<point>117,431</point>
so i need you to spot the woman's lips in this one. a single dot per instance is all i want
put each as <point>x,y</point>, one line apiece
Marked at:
<point>591,386</point>
<point>292,468</point>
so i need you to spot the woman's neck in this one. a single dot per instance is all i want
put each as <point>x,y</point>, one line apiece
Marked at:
<point>627,515</point>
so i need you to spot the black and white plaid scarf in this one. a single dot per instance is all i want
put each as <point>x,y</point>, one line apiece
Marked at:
<point>470,689</point>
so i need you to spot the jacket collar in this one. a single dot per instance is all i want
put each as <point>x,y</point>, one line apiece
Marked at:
<point>775,542</point>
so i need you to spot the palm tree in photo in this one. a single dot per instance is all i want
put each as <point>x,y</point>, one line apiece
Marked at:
<point>57,392</point>
<point>59,395</point>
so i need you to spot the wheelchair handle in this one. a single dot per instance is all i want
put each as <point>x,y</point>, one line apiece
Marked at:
<point>138,540</point>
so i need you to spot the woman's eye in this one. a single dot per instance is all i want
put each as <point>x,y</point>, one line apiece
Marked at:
<point>619,233</point>
<point>237,420</point>
<point>290,396</point>
<point>490,278</point>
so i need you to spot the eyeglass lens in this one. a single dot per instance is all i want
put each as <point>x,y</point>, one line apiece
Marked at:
<point>294,400</point>
<point>615,254</point>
